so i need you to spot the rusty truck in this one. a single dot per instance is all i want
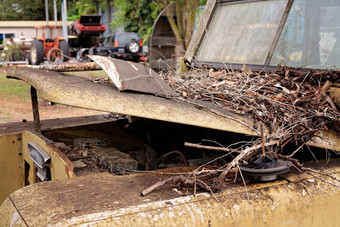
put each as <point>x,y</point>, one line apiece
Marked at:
<point>92,170</point>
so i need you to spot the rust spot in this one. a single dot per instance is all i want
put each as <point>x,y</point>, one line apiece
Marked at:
<point>69,168</point>
<point>133,76</point>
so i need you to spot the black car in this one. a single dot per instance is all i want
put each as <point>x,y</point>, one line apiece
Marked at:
<point>123,45</point>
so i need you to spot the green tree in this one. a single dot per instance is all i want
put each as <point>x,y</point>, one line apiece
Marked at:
<point>136,16</point>
<point>76,8</point>
<point>22,10</point>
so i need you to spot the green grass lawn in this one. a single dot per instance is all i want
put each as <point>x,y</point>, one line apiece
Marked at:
<point>13,88</point>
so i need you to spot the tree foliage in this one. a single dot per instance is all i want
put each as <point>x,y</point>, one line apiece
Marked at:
<point>12,10</point>
<point>76,8</point>
<point>136,16</point>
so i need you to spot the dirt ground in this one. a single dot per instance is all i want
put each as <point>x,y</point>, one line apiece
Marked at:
<point>15,103</point>
<point>16,109</point>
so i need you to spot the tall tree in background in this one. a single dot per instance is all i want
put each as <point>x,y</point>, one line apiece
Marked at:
<point>12,10</point>
<point>76,8</point>
<point>136,16</point>
<point>182,15</point>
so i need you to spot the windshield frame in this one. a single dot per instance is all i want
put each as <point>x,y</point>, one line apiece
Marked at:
<point>203,26</point>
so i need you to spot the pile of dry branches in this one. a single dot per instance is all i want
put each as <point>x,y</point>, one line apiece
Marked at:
<point>294,104</point>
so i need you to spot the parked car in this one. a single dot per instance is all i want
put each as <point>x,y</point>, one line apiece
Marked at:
<point>123,45</point>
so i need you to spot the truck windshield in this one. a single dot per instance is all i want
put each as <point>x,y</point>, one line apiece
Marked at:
<point>311,36</point>
<point>244,32</point>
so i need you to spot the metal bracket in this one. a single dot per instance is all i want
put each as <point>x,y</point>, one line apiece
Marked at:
<point>41,160</point>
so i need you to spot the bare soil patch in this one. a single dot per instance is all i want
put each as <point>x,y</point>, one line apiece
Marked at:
<point>14,109</point>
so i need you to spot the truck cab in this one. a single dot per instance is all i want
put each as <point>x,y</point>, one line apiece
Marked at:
<point>130,166</point>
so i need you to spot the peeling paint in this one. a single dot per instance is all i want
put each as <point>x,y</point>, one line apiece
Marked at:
<point>236,208</point>
<point>15,219</point>
<point>273,208</point>
<point>193,219</point>
<point>198,211</point>
<point>288,222</point>
<point>143,214</point>
<point>137,209</point>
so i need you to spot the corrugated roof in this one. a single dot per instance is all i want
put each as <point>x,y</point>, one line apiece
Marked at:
<point>27,24</point>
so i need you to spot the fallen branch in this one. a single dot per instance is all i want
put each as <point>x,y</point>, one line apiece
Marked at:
<point>320,178</point>
<point>187,144</point>
<point>239,157</point>
<point>161,183</point>
<point>319,172</point>
<point>65,67</point>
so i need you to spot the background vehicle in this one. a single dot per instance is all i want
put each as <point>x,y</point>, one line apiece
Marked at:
<point>122,45</point>
<point>85,35</point>
<point>51,45</point>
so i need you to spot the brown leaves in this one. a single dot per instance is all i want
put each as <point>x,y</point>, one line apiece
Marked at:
<point>288,100</point>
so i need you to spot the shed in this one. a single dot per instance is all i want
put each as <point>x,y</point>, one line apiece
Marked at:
<point>162,43</point>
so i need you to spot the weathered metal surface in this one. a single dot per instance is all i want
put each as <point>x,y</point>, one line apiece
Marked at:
<point>18,127</point>
<point>79,92</point>
<point>103,199</point>
<point>202,27</point>
<point>61,167</point>
<point>35,107</point>
<point>11,169</point>
<point>131,76</point>
<point>114,160</point>
<point>12,217</point>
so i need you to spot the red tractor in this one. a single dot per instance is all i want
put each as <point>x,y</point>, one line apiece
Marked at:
<point>52,48</point>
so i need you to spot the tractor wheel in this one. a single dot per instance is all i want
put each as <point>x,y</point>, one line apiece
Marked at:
<point>63,46</point>
<point>55,54</point>
<point>37,52</point>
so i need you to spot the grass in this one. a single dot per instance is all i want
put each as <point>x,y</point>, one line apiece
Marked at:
<point>11,88</point>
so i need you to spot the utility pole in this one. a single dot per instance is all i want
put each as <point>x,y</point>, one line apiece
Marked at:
<point>55,12</point>
<point>64,18</point>
<point>46,11</point>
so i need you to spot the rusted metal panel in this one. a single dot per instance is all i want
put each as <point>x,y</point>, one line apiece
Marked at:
<point>51,124</point>
<point>11,217</point>
<point>35,107</point>
<point>80,92</point>
<point>11,169</point>
<point>132,76</point>
<point>91,200</point>
<point>61,167</point>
